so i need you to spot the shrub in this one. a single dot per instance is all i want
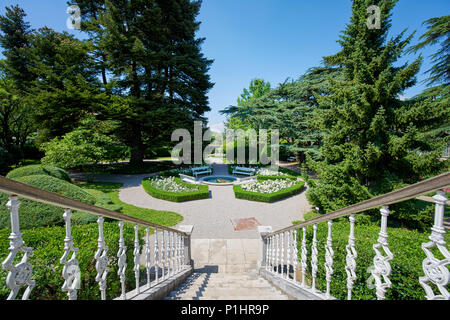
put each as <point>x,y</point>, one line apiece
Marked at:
<point>36,214</point>
<point>201,193</point>
<point>267,197</point>
<point>49,247</point>
<point>38,169</point>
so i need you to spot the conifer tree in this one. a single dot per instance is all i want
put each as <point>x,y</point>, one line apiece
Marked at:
<point>371,137</point>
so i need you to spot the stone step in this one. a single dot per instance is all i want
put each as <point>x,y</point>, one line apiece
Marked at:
<point>220,291</point>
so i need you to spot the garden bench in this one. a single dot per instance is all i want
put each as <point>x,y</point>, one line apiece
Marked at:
<point>188,179</point>
<point>244,170</point>
<point>201,170</point>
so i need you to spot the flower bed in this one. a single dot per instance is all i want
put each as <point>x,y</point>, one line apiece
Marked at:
<point>268,190</point>
<point>173,189</point>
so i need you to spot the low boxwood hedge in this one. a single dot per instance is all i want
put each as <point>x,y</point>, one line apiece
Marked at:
<point>406,265</point>
<point>201,193</point>
<point>38,169</point>
<point>267,197</point>
<point>49,247</point>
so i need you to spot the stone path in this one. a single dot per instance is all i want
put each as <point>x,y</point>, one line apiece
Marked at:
<point>213,218</point>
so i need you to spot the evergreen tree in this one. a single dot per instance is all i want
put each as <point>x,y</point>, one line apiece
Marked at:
<point>159,70</point>
<point>371,136</point>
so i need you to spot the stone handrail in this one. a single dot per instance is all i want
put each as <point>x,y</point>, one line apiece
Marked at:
<point>279,252</point>
<point>171,248</point>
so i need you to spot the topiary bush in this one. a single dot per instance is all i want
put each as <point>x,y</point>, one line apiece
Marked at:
<point>406,264</point>
<point>38,169</point>
<point>49,247</point>
<point>267,197</point>
<point>36,214</point>
<point>201,193</point>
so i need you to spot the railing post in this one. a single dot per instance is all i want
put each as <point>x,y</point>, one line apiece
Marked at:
<point>314,258</point>
<point>436,271</point>
<point>137,256</point>
<point>263,231</point>
<point>351,258</point>
<point>148,264</point>
<point>187,244</point>
<point>102,260</point>
<point>329,253</point>
<point>20,274</point>
<point>304,258</point>
<point>382,267</point>
<point>295,256</point>
<point>122,260</point>
<point>71,270</point>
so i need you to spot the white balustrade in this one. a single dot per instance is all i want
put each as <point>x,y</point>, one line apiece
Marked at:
<point>163,255</point>
<point>19,275</point>
<point>277,247</point>
<point>157,257</point>
<point>314,259</point>
<point>282,254</point>
<point>267,260</point>
<point>382,267</point>
<point>351,258</point>
<point>295,258</point>
<point>304,258</point>
<point>329,253</point>
<point>148,265</point>
<point>273,254</point>
<point>102,260</point>
<point>435,269</point>
<point>71,271</point>
<point>122,261</point>
<point>288,253</point>
<point>137,256</point>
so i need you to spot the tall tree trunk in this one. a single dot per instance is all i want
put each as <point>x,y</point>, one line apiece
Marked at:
<point>137,147</point>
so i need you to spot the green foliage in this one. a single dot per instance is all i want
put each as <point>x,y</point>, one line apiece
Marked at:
<point>49,247</point>
<point>406,265</point>
<point>267,197</point>
<point>201,193</point>
<point>39,170</point>
<point>36,214</point>
<point>85,146</point>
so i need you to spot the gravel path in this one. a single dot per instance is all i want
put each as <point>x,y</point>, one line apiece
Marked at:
<point>212,217</point>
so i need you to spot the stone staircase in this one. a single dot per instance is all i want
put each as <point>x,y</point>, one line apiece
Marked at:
<point>226,286</point>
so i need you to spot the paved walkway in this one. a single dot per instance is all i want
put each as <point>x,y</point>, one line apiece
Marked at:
<point>213,218</point>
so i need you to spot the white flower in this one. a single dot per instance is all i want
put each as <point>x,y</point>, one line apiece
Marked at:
<point>268,186</point>
<point>169,185</point>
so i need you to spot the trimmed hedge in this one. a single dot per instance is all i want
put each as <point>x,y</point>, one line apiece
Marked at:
<point>36,214</point>
<point>267,197</point>
<point>38,169</point>
<point>49,247</point>
<point>406,264</point>
<point>202,193</point>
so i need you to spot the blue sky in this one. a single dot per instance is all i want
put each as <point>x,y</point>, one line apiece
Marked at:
<point>268,39</point>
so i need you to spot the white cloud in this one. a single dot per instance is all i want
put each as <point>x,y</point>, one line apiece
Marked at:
<point>217,127</point>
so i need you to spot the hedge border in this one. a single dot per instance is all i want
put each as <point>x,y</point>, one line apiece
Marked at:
<point>240,193</point>
<point>202,193</point>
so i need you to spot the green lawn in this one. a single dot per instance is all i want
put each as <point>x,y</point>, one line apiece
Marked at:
<point>111,189</point>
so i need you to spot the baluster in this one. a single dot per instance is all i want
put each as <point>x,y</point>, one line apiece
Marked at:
<point>172,255</point>
<point>268,254</point>
<point>176,253</point>
<point>137,256</point>
<point>436,271</point>
<point>71,270</point>
<point>163,257</point>
<point>179,252</point>
<point>282,254</point>
<point>351,258</point>
<point>329,253</point>
<point>156,258</point>
<point>102,260</point>
<point>169,253</point>
<point>122,261</point>
<point>277,253</point>
<point>381,263</point>
<point>183,251</point>
<point>295,257</point>
<point>314,258</point>
<point>148,265</point>
<point>304,258</point>
<point>288,253</point>
<point>20,274</point>
<point>274,266</point>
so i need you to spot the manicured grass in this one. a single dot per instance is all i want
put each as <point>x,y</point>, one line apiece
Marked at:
<point>111,189</point>
<point>201,193</point>
<point>267,197</point>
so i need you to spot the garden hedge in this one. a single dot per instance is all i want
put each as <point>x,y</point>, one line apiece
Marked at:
<point>38,169</point>
<point>49,247</point>
<point>36,214</point>
<point>201,193</point>
<point>406,265</point>
<point>267,197</point>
